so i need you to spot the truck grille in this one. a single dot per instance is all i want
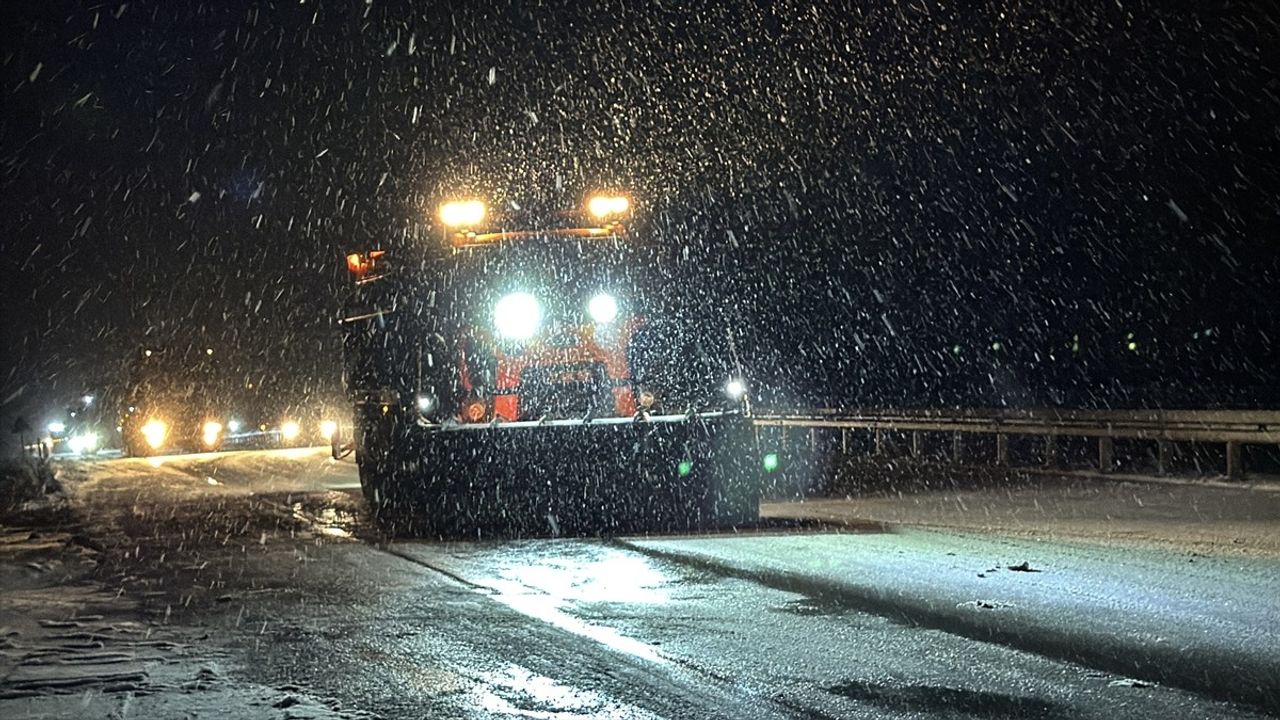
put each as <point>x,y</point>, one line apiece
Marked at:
<point>564,391</point>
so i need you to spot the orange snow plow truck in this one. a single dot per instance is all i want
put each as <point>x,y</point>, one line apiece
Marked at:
<point>519,372</point>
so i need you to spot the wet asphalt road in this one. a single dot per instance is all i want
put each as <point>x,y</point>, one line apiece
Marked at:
<point>269,558</point>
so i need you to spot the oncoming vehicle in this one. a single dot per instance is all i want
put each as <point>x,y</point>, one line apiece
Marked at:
<point>77,431</point>
<point>174,403</point>
<point>260,421</point>
<point>522,375</point>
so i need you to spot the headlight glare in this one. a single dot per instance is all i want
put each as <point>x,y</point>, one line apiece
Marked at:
<point>462,213</point>
<point>517,316</point>
<point>84,442</point>
<point>603,308</point>
<point>210,432</point>
<point>154,431</point>
<point>602,206</point>
<point>290,430</point>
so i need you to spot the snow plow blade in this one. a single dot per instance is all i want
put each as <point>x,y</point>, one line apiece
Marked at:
<point>661,474</point>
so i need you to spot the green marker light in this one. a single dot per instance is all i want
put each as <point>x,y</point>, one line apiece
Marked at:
<point>685,467</point>
<point>771,462</point>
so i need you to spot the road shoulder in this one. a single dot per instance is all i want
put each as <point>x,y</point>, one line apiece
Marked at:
<point>1194,622</point>
<point>1180,517</point>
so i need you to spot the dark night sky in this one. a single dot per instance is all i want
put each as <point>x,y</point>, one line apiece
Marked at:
<point>888,192</point>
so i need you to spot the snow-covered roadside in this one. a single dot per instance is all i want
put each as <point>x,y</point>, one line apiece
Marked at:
<point>72,647</point>
<point>1181,517</point>
<point>191,477</point>
<point>1200,623</point>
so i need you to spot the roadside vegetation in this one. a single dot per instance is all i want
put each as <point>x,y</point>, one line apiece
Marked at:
<point>25,481</point>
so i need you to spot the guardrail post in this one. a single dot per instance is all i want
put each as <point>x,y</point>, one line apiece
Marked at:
<point>1162,457</point>
<point>1235,466</point>
<point>1002,449</point>
<point>916,450</point>
<point>1050,450</point>
<point>844,441</point>
<point>1106,454</point>
<point>879,441</point>
<point>957,447</point>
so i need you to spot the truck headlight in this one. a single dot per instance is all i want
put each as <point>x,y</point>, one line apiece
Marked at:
<point>462,213</point>
<point>154,431</point>
<point>290,430</point>
<point>602,206</point>
<point>517,316</point>
<point>327,429</point>
<point>735,388</point>
<point>603,308</point>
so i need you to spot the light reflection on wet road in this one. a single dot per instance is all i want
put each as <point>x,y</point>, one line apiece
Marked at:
<point>286,573</point>
<point>539,580</point>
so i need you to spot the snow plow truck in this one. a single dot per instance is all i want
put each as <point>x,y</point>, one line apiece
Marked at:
<point>520,373</point>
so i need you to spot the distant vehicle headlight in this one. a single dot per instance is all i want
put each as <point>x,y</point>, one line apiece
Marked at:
<point>154,432</point>
<point>328,428</point>
<point>210,433</point>
<point>233,426</point>
<point>603,308</point>
<point>462,213</point>
<point>57,427</point>
<point>517,316</point>
<point>290,430</point>
<point>84,442</point>
<point>735,388</point>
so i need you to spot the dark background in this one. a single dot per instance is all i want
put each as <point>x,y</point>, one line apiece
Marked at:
<point>907,204</point>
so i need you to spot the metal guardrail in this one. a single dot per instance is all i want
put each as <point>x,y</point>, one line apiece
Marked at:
<point>1233,428</point>
<point>1247,426</point>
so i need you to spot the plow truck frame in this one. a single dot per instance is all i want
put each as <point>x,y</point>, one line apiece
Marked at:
<point>524,376</point>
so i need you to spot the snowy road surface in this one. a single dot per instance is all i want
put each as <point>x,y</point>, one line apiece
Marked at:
<point>251,585</point>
